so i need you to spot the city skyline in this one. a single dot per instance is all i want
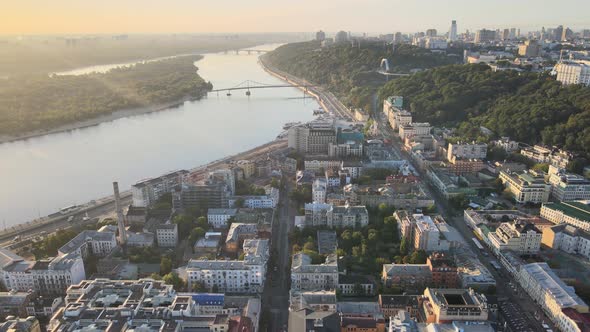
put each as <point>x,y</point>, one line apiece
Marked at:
<point>224,16</point>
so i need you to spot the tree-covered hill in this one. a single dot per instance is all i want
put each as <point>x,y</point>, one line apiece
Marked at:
<point>43,102</point>
<point>349,71</point>
<point>528,107</point>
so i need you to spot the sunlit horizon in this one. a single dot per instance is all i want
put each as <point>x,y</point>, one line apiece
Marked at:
<point>66,17</point>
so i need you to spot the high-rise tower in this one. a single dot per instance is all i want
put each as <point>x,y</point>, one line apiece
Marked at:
<point>453,31</point>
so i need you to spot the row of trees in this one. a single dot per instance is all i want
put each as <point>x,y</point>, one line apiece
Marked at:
<point>45,102</point>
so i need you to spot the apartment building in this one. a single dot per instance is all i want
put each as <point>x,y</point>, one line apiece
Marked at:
<point>443,270</point>
<point>52,277</point>
<point>147,192</point>
<point>414,129</point>
<point>549,291</point>
<point>218,218</point>
<point>248,167</point>
<point>406,276</point>
<point>318,214</point>
<point>17,304</point>
<point>306,276</point>
<point>574,213</point>
<point>567,186</point>
<point>319,190</point>
<point>98,243</point>
<point>573,72</point>
<point>465,150</point>
<point>201,196</point>
<point>567,238</point>
<point>427,235</point>
<point>526,187</point>
<point>312,138</point>
<point>233,276</point>
<point>523,238</point>
<point>167,235</point>
<point>268,201</point>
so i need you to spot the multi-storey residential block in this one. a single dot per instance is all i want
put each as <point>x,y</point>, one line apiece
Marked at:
<point>530,49</point>
<point>390,305</point>
<point>523,238</point>
<point>312,138</point>
<point>268,201</point>
<point>233,276</point>
<point>319,190</point>
<point>526,187</point>
<point>317,164</point>
<point>238,233</point>
<point>201,196</point>
<point>89,242</point>
<point>573,213</point>
<point>248,167</point>
<point>147,192</point>
<point>167,235</point>
<point>406,276</point>
<point>507,144</point>
<point>549,291</point>
<point>448,305</point>
<point>52,277</point>
<point>537,153</point>
<point>414,129</point>
<point>443,270</point>
<point>317,214</point>
<point>573,72</point>
<point>29,324</point>
<point>307,276</point>
<point>156,307</point>
<point>567,186</point>
<point>484,36</point>
<point>464,150</point>
<point>218,218</point>
<point>350,285</point>
<point>567,238</point>
<point>427,235</point>
<point>17,304</point>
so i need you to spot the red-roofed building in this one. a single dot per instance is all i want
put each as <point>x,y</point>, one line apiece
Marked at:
<point>574,321</point>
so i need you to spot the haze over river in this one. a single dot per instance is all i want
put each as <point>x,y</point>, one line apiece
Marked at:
<point>40,175</point>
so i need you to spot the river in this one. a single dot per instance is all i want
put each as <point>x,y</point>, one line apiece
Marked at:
<point>42,174</point>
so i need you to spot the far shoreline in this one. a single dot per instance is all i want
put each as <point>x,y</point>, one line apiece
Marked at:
<point>119,114</point>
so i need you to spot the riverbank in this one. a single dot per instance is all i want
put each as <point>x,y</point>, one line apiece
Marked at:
<point>124,113</point>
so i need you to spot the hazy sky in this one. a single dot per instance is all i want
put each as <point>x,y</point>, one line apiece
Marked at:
<point>146,16</point>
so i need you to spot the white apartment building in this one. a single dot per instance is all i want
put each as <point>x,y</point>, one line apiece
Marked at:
<point>573,72</point>
<point>523,238</point>
<point>574,213</point>
<point>427,235</point>
<point>167,235</point>
<point>54,276</point>
<point>48,277</point>
<point>268,201</point>
<point>567,186</point>
<point>526,186</point>
<point>319,190</point>
<point>233,276</point>
<point>97,243</point>
<point>321,214</point>
<point>465,150</point>
<point>218,218</point>
<point>506,144</point>
<point>567,238</point>
<point>147,192</point>
<point>414,129</point>
<point>306,276</point>
<point>549,291</point>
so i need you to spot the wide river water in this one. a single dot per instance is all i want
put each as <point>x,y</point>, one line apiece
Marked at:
<point>40,175</point>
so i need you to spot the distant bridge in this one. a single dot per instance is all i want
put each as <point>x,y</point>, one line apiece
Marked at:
<point>251,85</point>
<point>249,51</point>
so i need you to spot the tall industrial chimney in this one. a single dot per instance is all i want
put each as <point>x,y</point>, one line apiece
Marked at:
<point>120,220</point>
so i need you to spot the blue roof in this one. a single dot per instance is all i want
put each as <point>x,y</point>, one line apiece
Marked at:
<point>209,298</point>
